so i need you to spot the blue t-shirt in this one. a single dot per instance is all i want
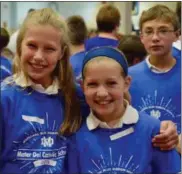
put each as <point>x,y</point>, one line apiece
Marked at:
<point>76,61</point>
<point>100,41</point>
<point>157,94</point>
<point>5,68</point>
<point>176,52</point>
<point>29,130</point>
<point>121,150</point>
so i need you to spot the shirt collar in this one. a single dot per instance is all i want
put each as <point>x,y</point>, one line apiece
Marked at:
<point>23,82</point>
<point>177,44</point>
<point>154,68</point>
<point>130,117</point>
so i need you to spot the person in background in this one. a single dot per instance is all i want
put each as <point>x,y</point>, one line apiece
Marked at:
<point>77,33</point>
<point>156,85</point>
<point>132,48</point>
<point>39,103</point>
<point>176,50</point>
<point>92,33</point>
<point>108,22</point>
<point>6,64</point>
<point>13,39</point>
<point>115,137</point>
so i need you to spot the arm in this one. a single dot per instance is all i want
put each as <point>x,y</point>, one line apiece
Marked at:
<point>168,137</point>
<point>178,147</point>
<point>165,161</point>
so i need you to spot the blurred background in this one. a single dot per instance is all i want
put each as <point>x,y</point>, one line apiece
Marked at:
<point>13,13</point>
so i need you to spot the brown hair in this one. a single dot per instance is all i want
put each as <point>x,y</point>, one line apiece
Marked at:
<point>132,47</point>
<point>77,30</point>
<point>160,12</point>
<point>108,18</point>
<point>178,10</point>
<point>46,16</point>
<point>4,38</point>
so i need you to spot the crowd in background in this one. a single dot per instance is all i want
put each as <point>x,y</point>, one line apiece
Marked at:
<point>150,85</point>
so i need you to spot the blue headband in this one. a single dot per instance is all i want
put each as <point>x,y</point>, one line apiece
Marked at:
<point>109,52</point>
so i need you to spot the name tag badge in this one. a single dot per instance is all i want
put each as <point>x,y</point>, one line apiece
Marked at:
<point>122,134</point>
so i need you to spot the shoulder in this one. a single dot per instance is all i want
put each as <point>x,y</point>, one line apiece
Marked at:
<point>138,68</point>
<point>149,124</point>
<point>9,88</point>
<point>77,57</point>
<point>7,85</point>
<point>80,135</point>
<point>6,62</point>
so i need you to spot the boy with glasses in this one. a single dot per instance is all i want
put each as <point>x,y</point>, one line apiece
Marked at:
<point>156,85</point>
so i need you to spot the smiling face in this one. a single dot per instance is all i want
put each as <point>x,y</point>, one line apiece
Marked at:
<point>40,53</point>
<point>104,87</point>
<point>157,37</point>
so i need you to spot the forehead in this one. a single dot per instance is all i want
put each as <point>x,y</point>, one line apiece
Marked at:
<point>102,60</point>
<point>102,65</point>
<point>157,24</point>
<point>43,32</point>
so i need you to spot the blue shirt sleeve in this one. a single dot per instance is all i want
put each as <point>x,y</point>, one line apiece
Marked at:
<point>165,161</point>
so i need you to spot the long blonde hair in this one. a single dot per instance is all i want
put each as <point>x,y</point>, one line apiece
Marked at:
<point>46,16</point>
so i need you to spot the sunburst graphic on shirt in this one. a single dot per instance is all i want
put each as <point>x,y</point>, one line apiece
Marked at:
<point>160,108</point>
<point>41,150</point>
<point>109,164</point>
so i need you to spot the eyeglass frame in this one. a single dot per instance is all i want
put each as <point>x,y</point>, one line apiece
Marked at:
<point>158,32</point>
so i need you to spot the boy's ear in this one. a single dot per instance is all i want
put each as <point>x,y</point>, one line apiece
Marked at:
<point>177,34</point>
<point>141,38</point>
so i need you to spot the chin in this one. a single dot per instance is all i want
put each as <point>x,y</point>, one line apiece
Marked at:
<point>104,113</point>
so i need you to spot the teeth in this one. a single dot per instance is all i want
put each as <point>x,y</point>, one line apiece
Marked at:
<point>37,66</point>
<point>103,102</point>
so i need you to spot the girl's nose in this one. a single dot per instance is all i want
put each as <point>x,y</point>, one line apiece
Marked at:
<point>38,55</point>
<point>102,91</point>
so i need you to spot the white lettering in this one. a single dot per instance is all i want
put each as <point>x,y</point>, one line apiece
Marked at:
<point>61,153</point>
<point>36,154</point>
<point>24,154</point>
<point>48,154</point>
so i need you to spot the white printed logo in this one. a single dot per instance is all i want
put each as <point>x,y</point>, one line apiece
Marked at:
<point>47,142</point>
<point>155,114</point>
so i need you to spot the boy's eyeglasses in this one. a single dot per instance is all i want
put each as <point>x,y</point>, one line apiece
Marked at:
<point>161,33</point>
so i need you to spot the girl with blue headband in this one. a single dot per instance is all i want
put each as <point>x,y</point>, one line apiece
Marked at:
<point>115,137</point>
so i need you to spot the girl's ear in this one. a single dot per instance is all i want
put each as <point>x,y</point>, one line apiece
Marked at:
<point>127,83</point>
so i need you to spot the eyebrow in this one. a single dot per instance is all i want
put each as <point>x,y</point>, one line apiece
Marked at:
<point>161,27</point>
